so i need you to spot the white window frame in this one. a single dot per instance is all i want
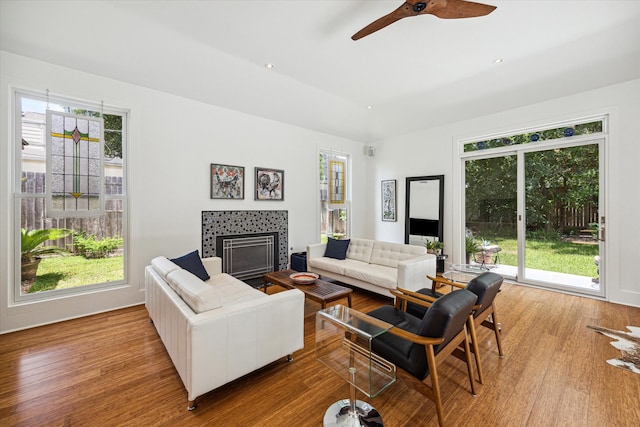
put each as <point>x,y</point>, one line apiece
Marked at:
<point>602,139</point>
<point>15,294</point>
<point>346,158</point>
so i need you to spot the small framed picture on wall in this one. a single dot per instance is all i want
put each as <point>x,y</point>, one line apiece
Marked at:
<point>269,184</point>
<point>389,200</point>
<point>227,182</point>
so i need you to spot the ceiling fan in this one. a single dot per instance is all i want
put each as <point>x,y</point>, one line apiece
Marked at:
<point>445,9</point>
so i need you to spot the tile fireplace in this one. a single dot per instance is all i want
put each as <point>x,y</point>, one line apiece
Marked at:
<point>250,243</point>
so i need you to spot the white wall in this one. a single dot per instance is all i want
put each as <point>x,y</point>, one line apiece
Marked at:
<point>433,152</point>
<point>172,140</point>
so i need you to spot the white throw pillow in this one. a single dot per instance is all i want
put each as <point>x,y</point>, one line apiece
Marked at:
<point>196,293</point>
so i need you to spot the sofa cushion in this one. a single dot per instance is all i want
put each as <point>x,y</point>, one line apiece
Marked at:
<point>379,275</point>
<point>163,266</point>
<point>233,291</point>
<point>328,264</point>
<point>389,254</point>
<point>360,249</point>
<point>199,295</point>
<point>336,248</point>
<point>192,263</point>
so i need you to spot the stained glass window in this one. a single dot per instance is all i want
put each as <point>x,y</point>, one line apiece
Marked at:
<point>74,165</point>
<point>555,133</point>
<point>336,182</point>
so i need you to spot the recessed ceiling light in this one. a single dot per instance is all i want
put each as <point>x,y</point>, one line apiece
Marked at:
<point>369,107</point>
<point>269,66</point>
<point>497,61</point>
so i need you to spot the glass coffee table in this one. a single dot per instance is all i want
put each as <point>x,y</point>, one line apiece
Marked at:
<point>343,343</point>
<point>463,273</point>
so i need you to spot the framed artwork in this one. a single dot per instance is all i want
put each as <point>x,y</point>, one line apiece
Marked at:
<point>389,200</point>
<point>269,184</point>
<point>227,182</point>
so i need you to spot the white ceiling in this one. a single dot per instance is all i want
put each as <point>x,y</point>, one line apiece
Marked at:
<point>417,73</point>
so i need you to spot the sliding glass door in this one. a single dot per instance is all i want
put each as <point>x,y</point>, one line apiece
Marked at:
<point>491,212</point>
<point>562,205</point>
<point>533,207</point>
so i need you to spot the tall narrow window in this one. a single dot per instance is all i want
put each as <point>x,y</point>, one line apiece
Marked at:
<point>71,193</point>
<point>333,175</point>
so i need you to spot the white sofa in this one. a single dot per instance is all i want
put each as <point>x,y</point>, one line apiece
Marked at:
<point>375,265</point>
<point>221,329</point>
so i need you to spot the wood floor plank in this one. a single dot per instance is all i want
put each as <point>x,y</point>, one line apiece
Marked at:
<point>111,369</point>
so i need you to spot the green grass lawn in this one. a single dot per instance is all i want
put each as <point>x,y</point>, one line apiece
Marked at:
<point>551,255</point>
<point>72,271</point>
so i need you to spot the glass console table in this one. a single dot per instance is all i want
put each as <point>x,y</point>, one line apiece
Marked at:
<point>343,343</point>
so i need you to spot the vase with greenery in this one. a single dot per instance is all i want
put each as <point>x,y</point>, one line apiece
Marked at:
<point>32,248</point>
<point>485,254</point>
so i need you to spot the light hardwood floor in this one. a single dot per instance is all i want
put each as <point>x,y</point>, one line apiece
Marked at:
<point>111,369</point>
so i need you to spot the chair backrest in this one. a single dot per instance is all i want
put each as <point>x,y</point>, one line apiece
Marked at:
<point>485,287</point>
<point>447,315</point>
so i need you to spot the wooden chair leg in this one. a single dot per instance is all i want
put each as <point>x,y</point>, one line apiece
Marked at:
<point>496,329</point>
<point>476,349</point>
<point>435,383</point>
<point>467,351</point>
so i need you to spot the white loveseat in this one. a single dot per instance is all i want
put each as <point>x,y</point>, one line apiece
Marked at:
<point>221,329</point>
<point>375,265</point>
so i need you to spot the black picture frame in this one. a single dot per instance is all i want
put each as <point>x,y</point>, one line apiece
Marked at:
<point>422,225</point>
<point>389,200</point>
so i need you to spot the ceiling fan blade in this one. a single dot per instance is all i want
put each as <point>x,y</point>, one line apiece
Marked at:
<point>454,9</point>
<point>401,12</point>
<point>445,9</point>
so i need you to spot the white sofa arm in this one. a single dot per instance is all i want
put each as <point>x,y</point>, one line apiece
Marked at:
<point>316,250</point>
<point>412,273</point>
<point>213,265</point>
<point>226,343</point>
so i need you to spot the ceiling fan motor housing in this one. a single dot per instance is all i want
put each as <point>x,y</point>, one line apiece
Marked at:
<point>419,7</point>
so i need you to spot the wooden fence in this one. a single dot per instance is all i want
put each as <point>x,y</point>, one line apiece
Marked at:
<point>576,218</point>
<point>32,212</point>
<point>564,220</point>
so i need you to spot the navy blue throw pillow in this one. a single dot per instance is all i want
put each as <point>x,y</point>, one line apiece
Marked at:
<point>193,264</point>
<point>337,248</point>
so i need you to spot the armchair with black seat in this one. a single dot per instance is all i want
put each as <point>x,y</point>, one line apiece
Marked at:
<point>485,286</point>
<point>419,345</point>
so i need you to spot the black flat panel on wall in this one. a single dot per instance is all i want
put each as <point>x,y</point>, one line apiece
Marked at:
<point>424,227</point>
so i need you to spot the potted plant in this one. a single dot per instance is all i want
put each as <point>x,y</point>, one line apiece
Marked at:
<point>32,248</point>
<point>471,246</point>
<point>434,246</point>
